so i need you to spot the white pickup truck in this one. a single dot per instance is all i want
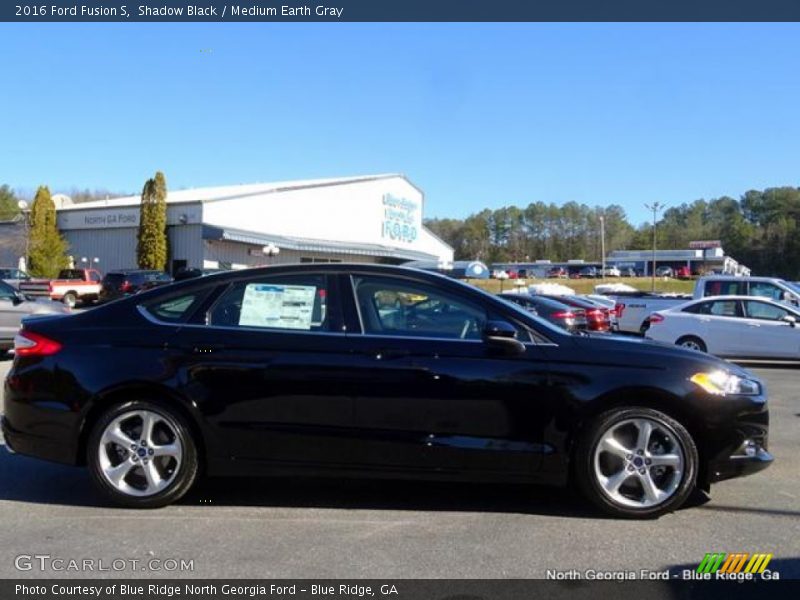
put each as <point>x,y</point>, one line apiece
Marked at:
<point>633,308</point>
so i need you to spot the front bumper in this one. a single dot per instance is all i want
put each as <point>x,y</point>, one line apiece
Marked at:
<point>750,458</point>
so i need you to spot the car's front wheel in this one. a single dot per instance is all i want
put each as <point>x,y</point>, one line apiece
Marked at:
<point>142,455</point>
<point>636,463</point>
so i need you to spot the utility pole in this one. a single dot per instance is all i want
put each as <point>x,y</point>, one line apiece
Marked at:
<point>655,207</point>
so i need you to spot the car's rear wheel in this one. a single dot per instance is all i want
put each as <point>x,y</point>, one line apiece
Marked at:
<point>636,463</point>
<point>692,343</point>
<point>142,455</point>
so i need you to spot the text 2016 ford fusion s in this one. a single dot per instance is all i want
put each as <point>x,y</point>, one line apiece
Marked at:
<point>372,371</point>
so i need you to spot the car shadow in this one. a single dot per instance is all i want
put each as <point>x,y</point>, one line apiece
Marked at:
<point>30,480</point>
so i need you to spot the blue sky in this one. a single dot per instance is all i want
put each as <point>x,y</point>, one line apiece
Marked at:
<point>477,115</point>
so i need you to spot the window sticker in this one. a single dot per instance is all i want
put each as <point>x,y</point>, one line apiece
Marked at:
<point>278,306</point>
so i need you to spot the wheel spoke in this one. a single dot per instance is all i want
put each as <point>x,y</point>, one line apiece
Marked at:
<point>652,494</point>
<point>117,436</point>
<point>614,446</point>
<point>117,474</point>
<point>645,430</point>
<point>666,460</point>
<point>172,450</point>
<point>154,479</point>
<point>148,423</point>
<point>613,483</point>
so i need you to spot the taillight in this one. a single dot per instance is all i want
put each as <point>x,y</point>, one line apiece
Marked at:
<point>125,287</point>
<point>27,343</point>
<point>563,314</point>
<point>655,318</point>
<point>618,309</point>
<point>596,314</point>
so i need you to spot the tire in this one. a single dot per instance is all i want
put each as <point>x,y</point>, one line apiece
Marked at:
<point>70,299</point>
<point>118,454</point>
<point>617,477</point>
<point>692,342</point>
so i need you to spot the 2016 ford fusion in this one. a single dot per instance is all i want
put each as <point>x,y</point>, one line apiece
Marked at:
<point>372,371</point>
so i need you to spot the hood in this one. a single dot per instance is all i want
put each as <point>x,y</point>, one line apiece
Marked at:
<point>658,354</point>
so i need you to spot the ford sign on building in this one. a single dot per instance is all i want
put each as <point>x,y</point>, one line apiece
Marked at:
<point>355,219</point>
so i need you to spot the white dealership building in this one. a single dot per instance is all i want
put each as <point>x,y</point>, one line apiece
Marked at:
<point>356,219</point>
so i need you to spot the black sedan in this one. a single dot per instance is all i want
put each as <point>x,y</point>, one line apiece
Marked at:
<point>317,369</point>
<point>117,284</point>
<point>556,312</point>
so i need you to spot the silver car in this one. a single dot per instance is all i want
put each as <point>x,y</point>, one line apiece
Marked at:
<point>14,306</point>
<point>13,277</point>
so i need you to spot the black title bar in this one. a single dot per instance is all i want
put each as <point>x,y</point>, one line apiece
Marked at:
<point>401,10</point>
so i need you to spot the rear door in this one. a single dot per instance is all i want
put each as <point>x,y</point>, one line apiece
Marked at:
<point>267,359</point>
<point>726,333</point>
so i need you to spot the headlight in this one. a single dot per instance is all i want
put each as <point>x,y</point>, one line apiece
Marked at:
<point>722,383</point>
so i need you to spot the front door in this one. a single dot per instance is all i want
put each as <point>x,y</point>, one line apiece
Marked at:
<point>440,400</point>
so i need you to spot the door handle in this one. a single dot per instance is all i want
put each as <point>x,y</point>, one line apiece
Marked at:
<point>202,348</point>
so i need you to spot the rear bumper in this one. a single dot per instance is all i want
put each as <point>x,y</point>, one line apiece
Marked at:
<point>30,445</point>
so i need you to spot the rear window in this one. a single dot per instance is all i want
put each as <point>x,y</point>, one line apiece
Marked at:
<point>71,274</point>
<point>114,278</point>
<point>176,309</point>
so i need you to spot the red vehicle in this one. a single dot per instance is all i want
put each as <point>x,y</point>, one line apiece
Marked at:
<point>683,273</point>
<point>597,318</point>
<point>70,287</point>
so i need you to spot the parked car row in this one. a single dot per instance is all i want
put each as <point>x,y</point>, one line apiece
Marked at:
<point>573,313</point>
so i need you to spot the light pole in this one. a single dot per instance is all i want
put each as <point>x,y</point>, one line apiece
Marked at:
<point>270,250</point>
<point>23,207</point>
<point>655,207</point>
<point>603,246</point>
<point>87,263</point>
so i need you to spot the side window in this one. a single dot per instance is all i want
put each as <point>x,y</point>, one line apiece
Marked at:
<point>762,310</point>
<point>766,290</point>
<point>94,276</point>
<point>724,288</point>
<point>296,302</point>
<point>724,308</point>
<point>397,307</point>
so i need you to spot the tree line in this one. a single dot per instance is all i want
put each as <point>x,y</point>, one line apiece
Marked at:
<point>761,229</point>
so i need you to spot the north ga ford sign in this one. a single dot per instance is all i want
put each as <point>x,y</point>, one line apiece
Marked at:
<point>127,216</point>
<point>400,219</point>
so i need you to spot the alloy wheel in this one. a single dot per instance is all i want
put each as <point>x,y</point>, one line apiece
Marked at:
<point>140,452</point>
<point>639,463</point>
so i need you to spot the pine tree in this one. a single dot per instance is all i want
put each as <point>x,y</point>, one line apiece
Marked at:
<point>47,249</point>
<point>151,247</point>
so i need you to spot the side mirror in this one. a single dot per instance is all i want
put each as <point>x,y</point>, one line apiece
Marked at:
<point>792,321</point>
<point>502,336</point>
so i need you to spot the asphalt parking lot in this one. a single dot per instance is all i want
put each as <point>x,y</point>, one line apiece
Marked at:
<point>335,529</point>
